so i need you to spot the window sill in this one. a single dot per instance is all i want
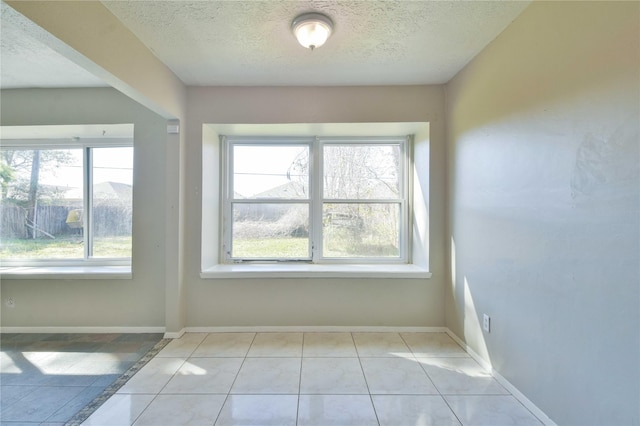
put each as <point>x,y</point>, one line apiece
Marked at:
<point>66,272</point>
<point>315,271</point>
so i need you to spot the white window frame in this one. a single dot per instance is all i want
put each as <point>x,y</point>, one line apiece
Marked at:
<point>87,145</point>
<point>316,198</point>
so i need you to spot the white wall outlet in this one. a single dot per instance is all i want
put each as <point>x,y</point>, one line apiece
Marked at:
<point>11,302</point>
<point>486,323</point>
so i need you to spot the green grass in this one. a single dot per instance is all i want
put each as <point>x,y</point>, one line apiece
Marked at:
<point>298,248</point>
<point>112,246</point>
<point>67,247</point>
<point>335,249</point>
<point>272,248</point>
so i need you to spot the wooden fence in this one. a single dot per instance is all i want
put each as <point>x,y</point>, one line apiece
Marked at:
<point>13,221</point>
<point>109,220</point>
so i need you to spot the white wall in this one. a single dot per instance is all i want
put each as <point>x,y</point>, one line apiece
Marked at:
<point>139,302</point>
<point>544,182</point>
<point>312,302</point>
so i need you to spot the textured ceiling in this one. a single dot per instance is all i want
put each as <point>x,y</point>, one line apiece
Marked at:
<point>250,43</point>
<point>374,43</point>
<point>27,62</point>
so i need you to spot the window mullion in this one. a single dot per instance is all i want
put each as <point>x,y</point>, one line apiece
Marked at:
<point>407,205</point>
<point>315,175</point>
<point>227,197</point>
<point>88,203</point>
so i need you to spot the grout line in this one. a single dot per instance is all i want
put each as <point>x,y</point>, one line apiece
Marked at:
<point>132,421</point>
<point>415,357</point>
<point>244,358</point>
<point>226,398</point>
<point>174,374</point>
<point>300,381</point>
<point>366,382</point>
<point>353,339</point>
<point>451,409</point>
<point>242,364</point>
<point>197,346</point>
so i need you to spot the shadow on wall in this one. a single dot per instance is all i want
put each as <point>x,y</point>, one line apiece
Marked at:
<point>470,319</point>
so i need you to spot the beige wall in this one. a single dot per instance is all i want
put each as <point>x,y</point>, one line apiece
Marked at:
<point>313,302</point>
<point>544,187</point>
<point>540,176</point>
<point>139,302</point>
<point>88,34</point>
<point>150,299</point>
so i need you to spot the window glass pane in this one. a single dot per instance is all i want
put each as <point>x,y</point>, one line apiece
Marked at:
<point>361,230</point>
<point>361,172</point>
<point>270,172</point>
<point>112,201</point>
<point>41,204</point>
<point>270,230</point>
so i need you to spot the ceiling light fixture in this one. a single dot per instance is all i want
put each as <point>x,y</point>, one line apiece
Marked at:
<point>312,29</point>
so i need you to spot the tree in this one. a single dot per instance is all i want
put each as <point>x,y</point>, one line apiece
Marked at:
<point>20,176</point>
<point>362,173</point>
<point>7,175</point>
<point>32,201</point>
<point>17,177</point>
<point>355,171</point>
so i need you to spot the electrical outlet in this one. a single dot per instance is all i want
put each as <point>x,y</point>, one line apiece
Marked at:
<point>11,302</point>
<point>486,323</point>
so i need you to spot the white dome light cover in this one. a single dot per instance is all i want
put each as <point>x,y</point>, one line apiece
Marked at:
<point>312,29</point>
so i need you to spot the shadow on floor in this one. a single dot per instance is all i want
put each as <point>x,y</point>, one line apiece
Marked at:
<point>50,377</point>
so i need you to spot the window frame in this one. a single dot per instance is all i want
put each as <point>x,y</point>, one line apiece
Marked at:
<point>316,198</point>
<point>86,145</point>
<point>227,191</point>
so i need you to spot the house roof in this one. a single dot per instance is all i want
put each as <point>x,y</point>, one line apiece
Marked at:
<point>103,191</point>
<point>291,189</point>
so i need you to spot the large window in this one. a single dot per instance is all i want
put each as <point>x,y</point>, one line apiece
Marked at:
<point>66,202</point>
<point>321,200</point>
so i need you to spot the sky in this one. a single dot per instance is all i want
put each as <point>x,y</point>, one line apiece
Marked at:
<point>268,166</point>
<point>109,165</point>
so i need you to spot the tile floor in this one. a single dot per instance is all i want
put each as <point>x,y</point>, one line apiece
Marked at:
<point>312,379</point>
<point>48,378</point>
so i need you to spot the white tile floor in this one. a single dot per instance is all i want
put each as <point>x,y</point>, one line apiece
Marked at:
<point>312,379</point>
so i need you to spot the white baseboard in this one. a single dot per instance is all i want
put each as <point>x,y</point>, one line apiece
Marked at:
<point>174,335</point>
<point>504,382</point>
<point>314,329</point>
<point>235,329</point>
<point>97,330</point>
